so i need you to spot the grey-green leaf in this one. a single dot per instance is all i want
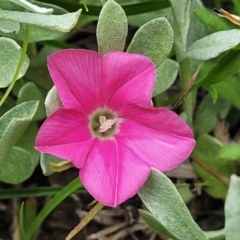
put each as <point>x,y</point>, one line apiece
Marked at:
<point>155,224</point>
<point>42,27</point>
<point>232,209</point>
<point>163,200</point>
<point>13,124</point>
<point>32,7</point>
<point>166,75</point>
<point>154,40</point>
<point>112,28</point>
<point>181,13</point>
<point>10,53</point>
<point>7,26</point>
<point>30,92</point>
<point>17,167</point>
<point>214,44</point>
<point>61,23</point>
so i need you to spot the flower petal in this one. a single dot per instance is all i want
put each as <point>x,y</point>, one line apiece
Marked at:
<point>65,134</point>
<point>77,76</point>
<point>113,173</point>
<point>159,149</point>
<point>161,119</point>
<point>132,70</point>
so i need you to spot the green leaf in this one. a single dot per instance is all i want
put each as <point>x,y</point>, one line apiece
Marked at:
<point>17,167</point>
<point>45,159</point>
<point>141,19</point>
<point>183,189</point>
<point>227,66</point>
<point>8,193</point>
<point>130,9</point>
<point>196,29</point>
<point>154,40</point>
<point>207,150</point>
<point>211,20</point>
<point>166,75</point>
<point>10,57</point>
<point>232,209</point>
<point>215,235</point>
<point>181,13</point>
<point>155,224</point>
<point>30,92</point>
<point>236,6</point>
<point>111,28</point>
<point>230,151</point>
<point>208,112</point>
<point>48,208</point>
<point>163,200</point>
<point>229,90</point>
<point>214,44</point>
<point>42,27</point>
<point>13,124</point>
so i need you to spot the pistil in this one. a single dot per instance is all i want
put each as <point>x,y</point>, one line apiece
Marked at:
<point>105,123</point>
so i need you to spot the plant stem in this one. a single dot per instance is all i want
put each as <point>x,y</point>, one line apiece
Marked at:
<point>189,101</point>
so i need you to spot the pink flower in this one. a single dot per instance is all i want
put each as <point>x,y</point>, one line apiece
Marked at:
<point>107,126</point>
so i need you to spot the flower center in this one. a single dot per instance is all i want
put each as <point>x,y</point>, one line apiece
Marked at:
<point>104,123</point>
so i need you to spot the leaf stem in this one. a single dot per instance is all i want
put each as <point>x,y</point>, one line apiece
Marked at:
<point>20,64</point>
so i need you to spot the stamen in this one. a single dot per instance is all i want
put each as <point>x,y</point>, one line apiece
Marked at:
<point>105,123</point>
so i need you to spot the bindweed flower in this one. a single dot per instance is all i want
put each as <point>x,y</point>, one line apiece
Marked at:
<point>107,126</point>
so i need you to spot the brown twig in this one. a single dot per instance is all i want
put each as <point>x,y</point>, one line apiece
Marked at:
<point>186,89</point>
<point>222,179</point>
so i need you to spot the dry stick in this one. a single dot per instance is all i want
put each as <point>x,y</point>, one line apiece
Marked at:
<point>222,179</point>
<point>95,210</point>
<point>187,88</point>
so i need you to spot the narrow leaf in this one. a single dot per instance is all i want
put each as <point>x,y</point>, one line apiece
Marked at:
<point>163,200</point>
<point>181,13</point>
<point>155,224</point>
<point>61,23</point>
<point>211,20</point>
<point>225,68</point>
<point>232,209</point>
<point>214,44</point>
